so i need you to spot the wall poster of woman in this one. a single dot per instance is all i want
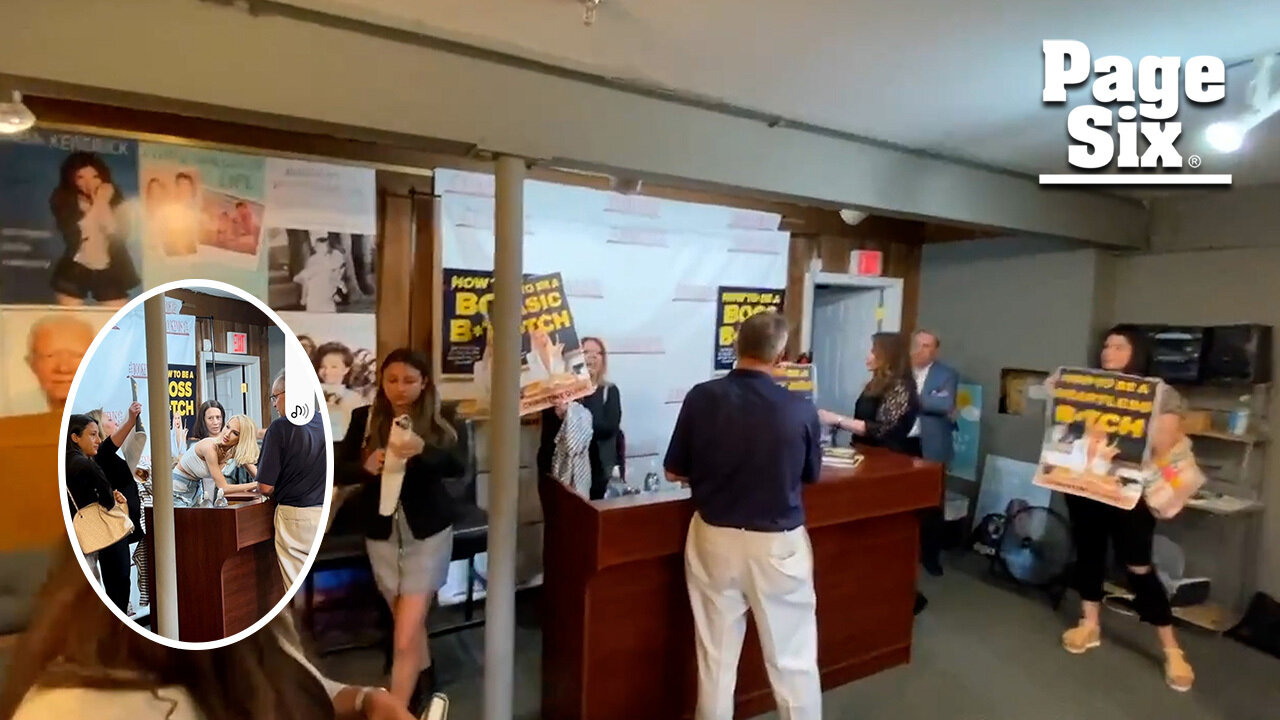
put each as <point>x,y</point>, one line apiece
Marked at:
<point>67,218</point>
<point>343,351</point>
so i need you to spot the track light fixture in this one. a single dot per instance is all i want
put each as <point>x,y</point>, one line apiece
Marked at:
<point>1228,135</point>
<point>15,117</point>
<point>589,11</point>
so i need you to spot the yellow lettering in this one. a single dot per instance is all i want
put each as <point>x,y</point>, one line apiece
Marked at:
<point>460,331</point>
<point>728,334</point>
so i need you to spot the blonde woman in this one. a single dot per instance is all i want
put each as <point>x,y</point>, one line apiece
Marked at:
<point>198,479</point>
<point>605,405</point>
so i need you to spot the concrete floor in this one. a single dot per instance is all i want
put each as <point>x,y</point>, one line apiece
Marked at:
<point>981,652</point>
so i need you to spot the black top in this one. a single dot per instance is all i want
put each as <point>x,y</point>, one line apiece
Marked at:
<point>889,416</point>
<point>118,475</point>
<point>605,405</point>
<point>746,445</point>
<point>293,462</point>
<point>86,482</point>
<point>428,506</point>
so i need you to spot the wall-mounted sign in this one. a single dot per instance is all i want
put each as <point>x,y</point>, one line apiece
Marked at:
<point>866,262</point>
<point>238,343</point>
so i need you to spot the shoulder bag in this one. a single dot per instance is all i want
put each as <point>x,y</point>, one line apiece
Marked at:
<point>1174,480</point>
<point>97,527</point>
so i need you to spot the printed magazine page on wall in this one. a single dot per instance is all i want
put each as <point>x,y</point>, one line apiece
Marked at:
<point>1097,435</point>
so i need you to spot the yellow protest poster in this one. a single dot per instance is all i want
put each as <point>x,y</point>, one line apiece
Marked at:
<point>1097,435</point>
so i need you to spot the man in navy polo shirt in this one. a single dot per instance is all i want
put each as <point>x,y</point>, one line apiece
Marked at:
<point>744,446</point>
<point>294,471</point>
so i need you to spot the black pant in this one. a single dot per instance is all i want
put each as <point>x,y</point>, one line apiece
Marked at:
<point>114,562</point>
<point>1130,533</point>
<point>931,519</point>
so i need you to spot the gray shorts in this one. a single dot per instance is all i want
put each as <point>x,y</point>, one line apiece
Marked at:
<point>404,565</point>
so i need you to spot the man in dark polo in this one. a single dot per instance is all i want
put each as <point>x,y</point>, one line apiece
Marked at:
<point>744,445</point>
<point>294,470</point>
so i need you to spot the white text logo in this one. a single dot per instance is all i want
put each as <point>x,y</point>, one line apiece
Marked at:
<point>1141,106</point>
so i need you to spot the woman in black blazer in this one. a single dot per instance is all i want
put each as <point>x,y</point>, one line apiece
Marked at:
<point>605,405</point>
<point>410,547</point>
<point>114,560</point>
<point>87,484</point>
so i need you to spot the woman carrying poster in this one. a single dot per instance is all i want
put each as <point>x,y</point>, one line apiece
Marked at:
<point>1093,523</point>
<point>95,262</point>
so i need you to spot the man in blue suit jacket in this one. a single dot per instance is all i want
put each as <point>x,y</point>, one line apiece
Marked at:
<point>936,383</point>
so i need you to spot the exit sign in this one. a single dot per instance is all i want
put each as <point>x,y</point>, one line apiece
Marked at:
<point>238,343</point>
<point>866,262</point>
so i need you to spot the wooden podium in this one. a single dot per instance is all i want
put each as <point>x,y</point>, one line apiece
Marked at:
<point>617,632</point>
<point>228,575</point>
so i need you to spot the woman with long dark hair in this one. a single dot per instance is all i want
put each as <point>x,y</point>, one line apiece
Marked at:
<point>78,660</point>
<point>114,559</point>
<point>88,484</point>
<point>95,262</point>
<point>1129,532</point>
<point>208,421</point>
<point>886,410</point>
<point>405,439</point>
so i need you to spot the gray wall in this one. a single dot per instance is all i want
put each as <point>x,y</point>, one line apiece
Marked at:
<point>1015,302</point>
<point>1038,304</point>
<point>1212,288</point>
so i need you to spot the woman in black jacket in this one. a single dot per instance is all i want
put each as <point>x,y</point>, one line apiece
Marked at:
<point>409,538</point>
<point>87,484</point>
<point>605,405</point>
<point>115,560</point>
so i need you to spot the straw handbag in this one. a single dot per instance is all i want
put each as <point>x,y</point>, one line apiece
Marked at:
<point>1175,479</point>
<point>97,527</point>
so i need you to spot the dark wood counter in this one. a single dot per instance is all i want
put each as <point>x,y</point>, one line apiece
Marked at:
<point>617,638</point>
<point>228,575</point>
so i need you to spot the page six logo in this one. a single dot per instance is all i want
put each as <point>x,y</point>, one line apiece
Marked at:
<point>1142,107</point>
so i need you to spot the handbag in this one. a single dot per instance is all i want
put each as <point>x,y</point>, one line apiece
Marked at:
<point>1176,478</point>
<point>97,527</point>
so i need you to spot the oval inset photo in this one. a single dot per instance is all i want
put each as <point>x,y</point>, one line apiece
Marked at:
<point>195,497</point>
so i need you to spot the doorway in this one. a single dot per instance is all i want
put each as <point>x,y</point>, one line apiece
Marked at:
<point>233,380</point>
<point>841,313</point>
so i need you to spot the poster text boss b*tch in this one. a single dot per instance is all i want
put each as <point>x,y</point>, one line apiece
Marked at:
<point>1156,92</point>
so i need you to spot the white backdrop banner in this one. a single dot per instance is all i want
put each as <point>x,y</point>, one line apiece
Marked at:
<point>122,356</point>
<point>640,272</point>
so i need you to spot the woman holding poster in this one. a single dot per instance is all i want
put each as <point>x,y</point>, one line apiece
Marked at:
<point>96,262</point>
<point>198,480</point>
<point>1093,523</point>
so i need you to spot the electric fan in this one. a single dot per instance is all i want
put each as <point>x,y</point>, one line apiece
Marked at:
<point>1035,548</point>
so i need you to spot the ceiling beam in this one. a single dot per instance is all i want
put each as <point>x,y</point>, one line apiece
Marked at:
<point>359,79</point>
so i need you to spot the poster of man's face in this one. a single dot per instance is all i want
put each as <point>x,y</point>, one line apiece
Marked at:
<point>42,348</point>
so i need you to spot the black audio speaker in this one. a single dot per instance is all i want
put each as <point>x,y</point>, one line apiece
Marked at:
<point>1176,353</point>
<point>1238,354</point>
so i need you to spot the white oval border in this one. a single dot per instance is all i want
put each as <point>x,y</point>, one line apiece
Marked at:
<point>289,593</point>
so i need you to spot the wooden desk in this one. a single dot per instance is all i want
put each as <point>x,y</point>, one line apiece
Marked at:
<point>228,575</point>
<point>617,633</point>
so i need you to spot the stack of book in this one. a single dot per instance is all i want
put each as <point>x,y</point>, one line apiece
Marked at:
<point>841,457</point>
